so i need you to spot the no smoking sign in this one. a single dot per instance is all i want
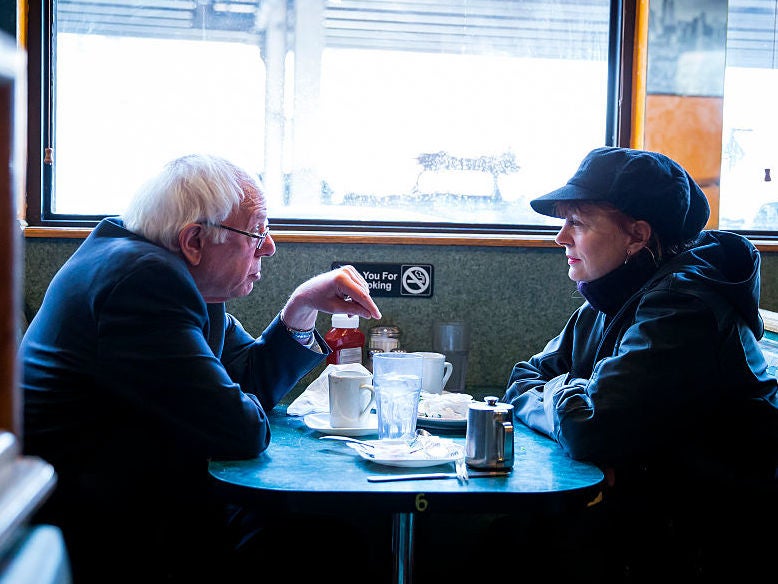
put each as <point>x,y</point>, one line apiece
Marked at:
<point>407,280</point>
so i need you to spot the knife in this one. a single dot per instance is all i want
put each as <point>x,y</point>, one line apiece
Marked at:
<point>436,475</point>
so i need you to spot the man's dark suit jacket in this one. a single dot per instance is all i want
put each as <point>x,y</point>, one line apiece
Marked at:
<point>132,383</point>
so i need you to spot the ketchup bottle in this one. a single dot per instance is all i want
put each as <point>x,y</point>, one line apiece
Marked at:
<point>345,339</point>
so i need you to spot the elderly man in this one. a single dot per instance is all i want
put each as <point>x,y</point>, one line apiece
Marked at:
<point>134,375</point>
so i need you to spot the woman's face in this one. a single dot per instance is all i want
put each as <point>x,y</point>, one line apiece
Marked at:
<point>595,241</point>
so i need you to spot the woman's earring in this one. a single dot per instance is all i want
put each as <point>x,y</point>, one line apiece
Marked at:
<point>626,259</point>
<point>653,257</point>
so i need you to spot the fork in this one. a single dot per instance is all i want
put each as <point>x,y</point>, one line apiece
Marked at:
<point>461,468</point>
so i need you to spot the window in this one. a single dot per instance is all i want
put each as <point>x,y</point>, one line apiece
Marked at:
<point>422,113</point>
<point>749,162</point>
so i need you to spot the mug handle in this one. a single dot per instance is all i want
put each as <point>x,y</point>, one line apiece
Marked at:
<point>371,403</point>
<point>448,368</point>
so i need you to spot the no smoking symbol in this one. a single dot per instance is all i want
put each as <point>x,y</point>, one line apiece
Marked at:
<point>416,280</point>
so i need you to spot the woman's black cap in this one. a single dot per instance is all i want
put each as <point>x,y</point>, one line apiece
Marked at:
<point>644,185</point>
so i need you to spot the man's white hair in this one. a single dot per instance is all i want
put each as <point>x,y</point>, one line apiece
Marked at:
<point>197,188</point>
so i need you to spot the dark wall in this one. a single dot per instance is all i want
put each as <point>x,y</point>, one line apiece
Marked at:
<point>515,299</point>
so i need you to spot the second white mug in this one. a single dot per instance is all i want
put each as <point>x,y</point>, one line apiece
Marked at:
<point>351,398</point>
<point>435,373</point>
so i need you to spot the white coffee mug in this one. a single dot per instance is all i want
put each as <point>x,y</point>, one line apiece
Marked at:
<point>351,398</point>
<point>435,373</point>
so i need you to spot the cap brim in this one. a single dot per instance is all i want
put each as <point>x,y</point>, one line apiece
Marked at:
<point>546,204</point>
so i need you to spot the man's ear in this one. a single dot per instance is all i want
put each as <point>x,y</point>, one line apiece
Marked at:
<point>190,240</point>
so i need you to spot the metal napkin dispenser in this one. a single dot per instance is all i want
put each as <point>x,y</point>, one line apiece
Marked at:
<point>489,440</point>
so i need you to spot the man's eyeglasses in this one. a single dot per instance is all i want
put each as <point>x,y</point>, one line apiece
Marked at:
<point>260,237</point>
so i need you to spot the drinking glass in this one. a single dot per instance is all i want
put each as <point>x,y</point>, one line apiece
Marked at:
<point>453,340</point>
<point>397,384</point>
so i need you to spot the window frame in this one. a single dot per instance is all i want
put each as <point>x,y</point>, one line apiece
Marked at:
<point>40,134</point>
<point>625,52</point>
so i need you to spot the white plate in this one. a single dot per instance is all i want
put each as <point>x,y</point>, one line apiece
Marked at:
<point>441,423</point>
<point>321,423</point>
<point>414,460</point>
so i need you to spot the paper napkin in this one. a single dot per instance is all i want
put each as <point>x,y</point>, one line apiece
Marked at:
<point>451,406</point>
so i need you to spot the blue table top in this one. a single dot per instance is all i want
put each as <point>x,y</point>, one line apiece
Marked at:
<point>303,473</point>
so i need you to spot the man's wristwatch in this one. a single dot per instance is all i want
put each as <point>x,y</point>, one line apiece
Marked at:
<point>302,337</point>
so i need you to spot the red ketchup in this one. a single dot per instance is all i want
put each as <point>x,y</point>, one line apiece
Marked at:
<point>345,339</point>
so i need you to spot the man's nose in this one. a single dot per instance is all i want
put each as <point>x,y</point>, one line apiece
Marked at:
<point>267,248</point>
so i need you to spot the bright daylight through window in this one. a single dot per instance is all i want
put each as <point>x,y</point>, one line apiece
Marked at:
<point>426,111</point>
<point>749,162</point>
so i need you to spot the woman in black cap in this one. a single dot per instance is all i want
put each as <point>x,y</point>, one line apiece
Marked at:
<point>657,377</point>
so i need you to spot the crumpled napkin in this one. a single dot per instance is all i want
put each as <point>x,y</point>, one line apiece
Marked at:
<point>423,447</point>
<point>316,397</point>
<point>446,405</point>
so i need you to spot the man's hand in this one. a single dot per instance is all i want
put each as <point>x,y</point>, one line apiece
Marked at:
<point>342,290</point>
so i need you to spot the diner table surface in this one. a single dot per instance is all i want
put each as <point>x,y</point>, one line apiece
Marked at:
<point>302,473</point>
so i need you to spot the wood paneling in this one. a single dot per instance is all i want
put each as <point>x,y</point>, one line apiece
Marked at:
<point>11,169</point>
<point>688,130</point>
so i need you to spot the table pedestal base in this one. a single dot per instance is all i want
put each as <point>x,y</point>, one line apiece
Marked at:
<point>402,547</point>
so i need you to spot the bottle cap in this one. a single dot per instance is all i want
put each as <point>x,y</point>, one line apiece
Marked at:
<point>389,331</point>
<point>345,321</point>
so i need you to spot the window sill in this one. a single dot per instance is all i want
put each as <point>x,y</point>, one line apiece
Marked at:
<point>770,319</point>
<point>362,237</point>
<point>377,238</point>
